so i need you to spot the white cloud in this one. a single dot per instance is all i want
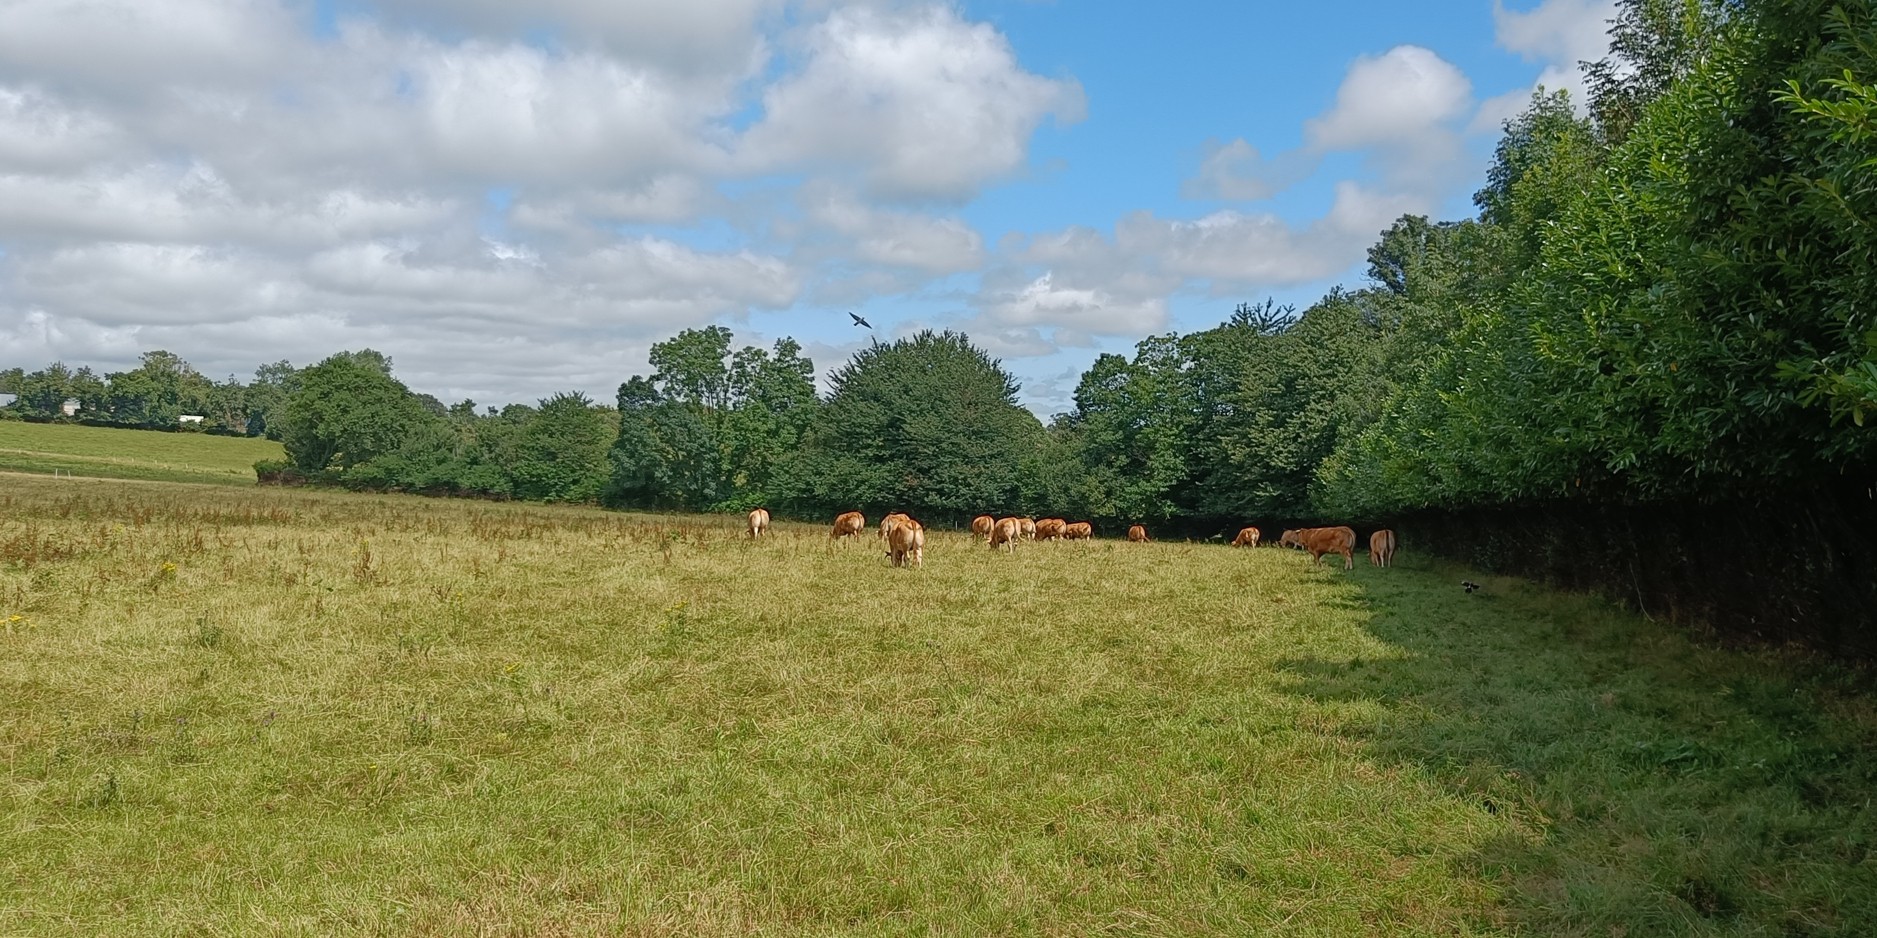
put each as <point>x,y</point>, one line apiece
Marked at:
<point>1235,171</point>
<point>894,238</point>
<point>1390,100</point>
<point>138,50</point>
<point>921,103</point>
<point>38,135</point>
<point>1559,33</point>
<point>1233,249</point>
<point>703,37</point>
<point>1402,110</point>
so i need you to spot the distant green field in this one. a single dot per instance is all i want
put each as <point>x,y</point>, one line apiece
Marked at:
<point>103,452</point>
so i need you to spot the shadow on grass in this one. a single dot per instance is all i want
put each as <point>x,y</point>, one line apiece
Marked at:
<point>1639,782</point>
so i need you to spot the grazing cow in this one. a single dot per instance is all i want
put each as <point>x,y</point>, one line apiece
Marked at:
<point>905,543</point>
<point>1005,533</point>
<point>1079,531</point>
<point>1337,540</point>
<point>892,521</point>
<point>849,524</point>
<point>1289,539</point>
<point>981,526</point>
<point>1247,537</point>
<point>1137,534</point>
<point>758,522</point>
<point>1049,529</point>
<point>1382,548</point>
<point>1026,527</point>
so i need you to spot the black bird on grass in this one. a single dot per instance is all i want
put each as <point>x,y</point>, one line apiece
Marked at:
<point>861,322</point>
<point>1470,586</point>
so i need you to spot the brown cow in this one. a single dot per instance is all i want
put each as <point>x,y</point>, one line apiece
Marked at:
<point>981,526</point>
<point>758,522</point>
<point>1382,548</point>
<point>849,524</point>
<point>1289,539</point>
<point>892,521</point>
<point>1079,531</point>
<point>1026,527</point>
<point>1137,534</point>
<point>1337,540</point>
<point>905,543</point>
<point>1049,529</point>
<point>1247,537</point>
<point>1006,532</point>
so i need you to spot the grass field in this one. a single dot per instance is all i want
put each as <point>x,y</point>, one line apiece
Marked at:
<point>105,452</point>
<point>291,712</point>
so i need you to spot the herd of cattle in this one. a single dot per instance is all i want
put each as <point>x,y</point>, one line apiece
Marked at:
<point>905,538</point>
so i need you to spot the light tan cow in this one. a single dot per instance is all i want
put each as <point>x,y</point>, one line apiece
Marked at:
<point>892,521</point>
<point>758,522</point>
<point>1289,539</point>
<point>1079,531</point>
<point>905,544</point>
<point>1382,548</point>
<point>1005,533</point>
<point>849,524</point>
<point>981,526</point>
<point>1320,541</point>
<point>1247,537</point>
<point>1026,527</point>
<point>1049,529</point>
<point>1137,534</point>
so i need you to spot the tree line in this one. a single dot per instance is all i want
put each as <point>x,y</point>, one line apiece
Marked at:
<point>1671,295</point>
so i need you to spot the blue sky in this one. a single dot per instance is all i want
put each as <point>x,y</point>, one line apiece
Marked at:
<point>513,204</point>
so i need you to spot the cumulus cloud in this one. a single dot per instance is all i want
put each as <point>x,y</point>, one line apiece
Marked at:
<point>1402,109</point>
<point>466,184</point>
<point>1234,171</point>
<point>697,37</point>
<point>921,103</point>
<point>141,51</point>
<point>934,245</point>
<point>1386,99</point>
<point>1559,33</point>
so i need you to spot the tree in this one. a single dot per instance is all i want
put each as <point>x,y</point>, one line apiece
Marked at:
<point>665,453</point>
<point>772,398</point>
<point>1134,421</point>
<point>689,367</point>
<point>267,396</point>
<point>562,453</point>
<point>926,424</point>
<point>155,394</point>
<point>345,411</point>
<point>43,393</point>
<point>1653,43</point>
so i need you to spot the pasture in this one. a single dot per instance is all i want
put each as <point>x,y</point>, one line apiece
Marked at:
<point>109,452</point>
<point>263,711</point>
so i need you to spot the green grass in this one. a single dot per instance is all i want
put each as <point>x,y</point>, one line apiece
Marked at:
<point>297,712</point>
<point>105,452</point>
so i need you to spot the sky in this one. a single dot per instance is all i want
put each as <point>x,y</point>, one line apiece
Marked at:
<point>514,200</point>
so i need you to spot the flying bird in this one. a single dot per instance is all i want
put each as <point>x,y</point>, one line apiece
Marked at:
<point>861,322</point>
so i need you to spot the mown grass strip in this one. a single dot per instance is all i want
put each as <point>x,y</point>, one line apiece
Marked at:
<point>106,452</point>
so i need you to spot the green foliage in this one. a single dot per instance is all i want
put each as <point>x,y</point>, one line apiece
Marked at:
<point>346,411</point>
<point>1133,422</point>
<point>926,424</point>
<point>709,430</point>
<point>666,454</point>
<point>562,451</point>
